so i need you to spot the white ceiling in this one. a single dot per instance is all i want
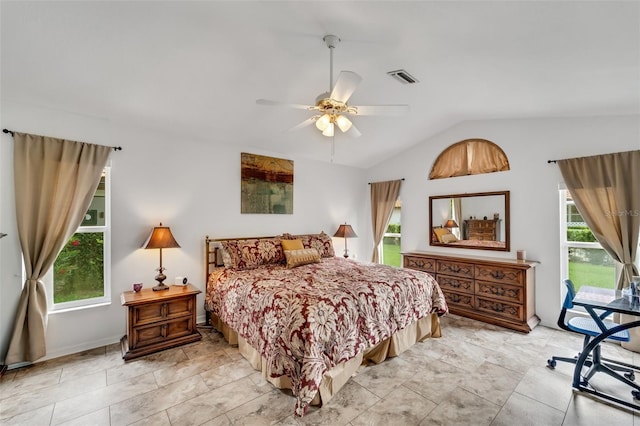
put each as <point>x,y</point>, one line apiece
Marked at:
<point>196,68</point>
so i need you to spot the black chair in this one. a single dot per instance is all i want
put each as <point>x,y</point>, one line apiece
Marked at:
<point>589,328</point>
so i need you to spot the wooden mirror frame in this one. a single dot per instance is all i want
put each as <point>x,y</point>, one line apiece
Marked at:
<point>474,244</point>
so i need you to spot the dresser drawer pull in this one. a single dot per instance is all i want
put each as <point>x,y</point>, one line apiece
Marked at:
<point>498,275</point>
<point>455,268</point>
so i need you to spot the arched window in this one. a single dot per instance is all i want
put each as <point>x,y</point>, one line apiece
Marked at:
<point>469,157</point>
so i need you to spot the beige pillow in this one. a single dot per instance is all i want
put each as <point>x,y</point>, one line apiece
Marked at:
<point>440,232</point>
<point>292,245</point>
<point>301,257</point>
<point>448,238</point>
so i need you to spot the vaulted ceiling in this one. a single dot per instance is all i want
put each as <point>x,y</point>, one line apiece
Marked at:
<point>195,69</point>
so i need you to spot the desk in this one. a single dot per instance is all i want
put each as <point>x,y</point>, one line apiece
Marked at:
<point>593,299</point>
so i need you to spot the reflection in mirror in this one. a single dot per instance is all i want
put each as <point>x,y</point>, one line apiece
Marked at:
<point>474,221</point>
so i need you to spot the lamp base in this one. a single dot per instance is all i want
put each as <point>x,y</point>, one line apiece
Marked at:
<point>161,287</point>
<point>160,278</point>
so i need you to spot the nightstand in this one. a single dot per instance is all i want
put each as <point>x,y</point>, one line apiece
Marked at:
<point>159,320</point>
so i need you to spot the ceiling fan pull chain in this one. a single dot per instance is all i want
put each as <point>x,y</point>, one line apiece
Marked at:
<point>333,147</point>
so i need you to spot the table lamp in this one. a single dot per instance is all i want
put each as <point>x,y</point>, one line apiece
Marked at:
<point>160,238</point>
<point>345,231</point>
<point>451,224</point>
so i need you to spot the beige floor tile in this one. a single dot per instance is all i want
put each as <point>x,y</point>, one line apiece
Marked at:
<point>492,382</point>
<point>36,417</point>
<point>267,409</point>
<point>346,405</point>
<point>142,406</point>
<point>462,408</point>
<point>583,411</point>
<point>158,419</point>
<point>29,383</point>
<point>216,402</point>
<point>190,367</point>
<point>58,393</point>
<point>523,411</point>
<point>97,418</point>
<point>400,407</point>
<point>547,386</point>
<point>90,401</point>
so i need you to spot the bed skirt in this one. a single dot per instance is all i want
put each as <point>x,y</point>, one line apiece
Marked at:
<point>334,379</point>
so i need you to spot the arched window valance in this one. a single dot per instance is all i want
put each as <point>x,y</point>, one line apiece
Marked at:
<point>469,157</point>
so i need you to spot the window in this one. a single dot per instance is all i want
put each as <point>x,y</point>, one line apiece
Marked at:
<point>81,270</point>
<point>391,240</point>
<point>584,261</point>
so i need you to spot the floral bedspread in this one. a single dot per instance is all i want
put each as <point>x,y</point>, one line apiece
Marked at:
<point>306,320</point>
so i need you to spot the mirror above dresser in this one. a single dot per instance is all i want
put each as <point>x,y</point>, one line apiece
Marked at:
<point>477,221</point>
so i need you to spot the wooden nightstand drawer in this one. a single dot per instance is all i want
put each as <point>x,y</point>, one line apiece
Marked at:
<point>159,320</point>
<point>146,314</point>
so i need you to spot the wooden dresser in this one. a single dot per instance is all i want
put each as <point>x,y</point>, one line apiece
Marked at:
<point>479,229</point>
<point>159,320</point>
<point>493,290</point>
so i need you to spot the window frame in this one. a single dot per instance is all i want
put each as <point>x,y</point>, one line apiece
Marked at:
<point>106,231</point>
<point>565,245</point>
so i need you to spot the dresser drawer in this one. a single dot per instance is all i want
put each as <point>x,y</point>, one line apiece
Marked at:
<point>458,284</point>
<point>459,300</point>
<point>459,269</point>
<point>160,311</point>
<point>420,263</point>
<point>500,308</point>
<point>508,292</point>
<point>499,274</point>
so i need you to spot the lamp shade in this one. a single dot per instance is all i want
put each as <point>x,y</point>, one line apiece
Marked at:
<point>161,237</point>
<point>451,224</point>
<point>345,231</point>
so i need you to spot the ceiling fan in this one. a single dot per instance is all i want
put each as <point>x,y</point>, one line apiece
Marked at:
<point>331,108</point>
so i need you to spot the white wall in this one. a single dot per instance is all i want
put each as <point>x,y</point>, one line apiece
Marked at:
<point>192,186</point>
<point>533,183</point>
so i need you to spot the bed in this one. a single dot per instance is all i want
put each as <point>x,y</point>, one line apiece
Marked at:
<point>308,319</point>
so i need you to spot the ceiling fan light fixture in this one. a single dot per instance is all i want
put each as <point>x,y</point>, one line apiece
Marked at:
<point>323,122</point>
<point>328,131</point>
<point>343,123</point>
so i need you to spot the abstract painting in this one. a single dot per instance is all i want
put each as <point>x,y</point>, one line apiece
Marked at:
<point>266,185</point>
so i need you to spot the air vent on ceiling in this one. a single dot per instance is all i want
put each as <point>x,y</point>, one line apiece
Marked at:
<point>403,76</point>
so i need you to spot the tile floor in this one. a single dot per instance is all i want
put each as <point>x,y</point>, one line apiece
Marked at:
<point>476,374</point>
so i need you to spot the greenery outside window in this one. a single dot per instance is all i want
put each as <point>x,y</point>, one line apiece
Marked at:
<point>81,272</point>
<point>584,261</point>
<point>391,240</point>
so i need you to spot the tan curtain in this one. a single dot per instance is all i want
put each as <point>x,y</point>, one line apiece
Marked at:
<point>54,183</point>
<point>606,191</point>
<point>383,198</point>
<point>469,157</point>
<point>457,208</point>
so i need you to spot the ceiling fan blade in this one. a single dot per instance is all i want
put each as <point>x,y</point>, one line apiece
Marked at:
<point>305,123</point>
<point>283,104</point>
<point>345,86</point>
<point>353,132</point>
<point>381,109</point>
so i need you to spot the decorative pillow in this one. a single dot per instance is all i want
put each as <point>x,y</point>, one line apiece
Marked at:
<point>440,232</point>
<point>301,257</point>
<point>449,238</point>
<point>292,245</point>
<point>252,253</point>
<point>321,242</point>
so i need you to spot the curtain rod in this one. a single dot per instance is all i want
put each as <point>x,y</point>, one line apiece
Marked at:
<point>551,161</point>
<point>374,182</point>
<point>11,132</point>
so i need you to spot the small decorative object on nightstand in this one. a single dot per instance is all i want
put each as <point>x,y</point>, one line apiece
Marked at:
<point>159,320</point>
<point>345,231</point>
<point>161,237</point>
